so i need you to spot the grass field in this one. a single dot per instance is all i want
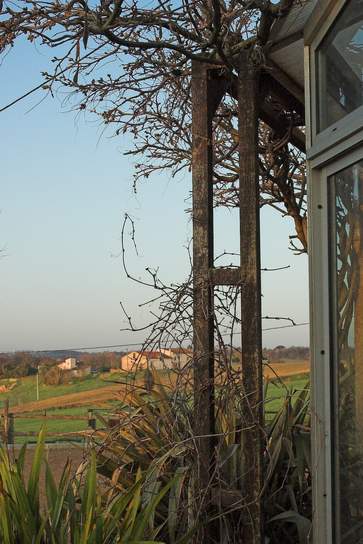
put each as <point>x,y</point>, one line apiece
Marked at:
<point>23,398</point>
<point>103,396</point>
<point>59,425</point>
<point>277,390</point>
<point>26,390</point>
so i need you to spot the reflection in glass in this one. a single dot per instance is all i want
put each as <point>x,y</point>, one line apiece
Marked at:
<point>340,66</point>
<point>347,249</point>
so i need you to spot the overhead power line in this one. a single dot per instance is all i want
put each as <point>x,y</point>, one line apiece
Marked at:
<point>89,347</point>
<point>286,326</point>
<point>130,344</point>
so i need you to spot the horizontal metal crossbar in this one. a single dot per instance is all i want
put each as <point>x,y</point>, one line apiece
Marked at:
<point>225,276</point>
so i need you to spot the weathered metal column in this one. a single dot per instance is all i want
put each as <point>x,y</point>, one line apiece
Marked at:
<point>207,90</point>
<point>252,434</point>
<point>202,181</point>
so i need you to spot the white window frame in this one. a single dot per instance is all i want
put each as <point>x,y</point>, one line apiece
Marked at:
<point>328,152</point>
<point>346,132</point>
<point>323,327</point>
<point>320,357</point>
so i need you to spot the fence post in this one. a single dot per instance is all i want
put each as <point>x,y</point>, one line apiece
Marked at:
<point>91,420</point>
<point>5,422</point>
<point>148,380</point>
<point>8,425</point>
<point>11,429</point>
<point>113,422</point>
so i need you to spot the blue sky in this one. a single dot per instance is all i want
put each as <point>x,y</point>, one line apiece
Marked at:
<point>64,188</point>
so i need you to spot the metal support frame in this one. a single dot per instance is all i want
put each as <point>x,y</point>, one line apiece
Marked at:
<point>203,108</point>
<point>209,85</point>
<point>252,378</point>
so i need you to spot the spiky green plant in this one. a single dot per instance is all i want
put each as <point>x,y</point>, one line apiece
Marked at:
<point>75,510</point>
<point>287,494</point>
<point>156,435</point>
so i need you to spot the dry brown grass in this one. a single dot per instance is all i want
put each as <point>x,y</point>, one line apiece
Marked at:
<point>287,368</point>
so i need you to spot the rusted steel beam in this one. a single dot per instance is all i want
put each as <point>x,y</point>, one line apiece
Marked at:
<point>269,116</point>
<point>225,276</point>
<point>286,82</point>
<point>252,431</point>
<point>207,90</point>
<point>283,95</point>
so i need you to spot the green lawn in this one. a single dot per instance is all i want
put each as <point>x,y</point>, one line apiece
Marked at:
<point>276,391</point>
<point>60,425</point>
<point>25,390</point>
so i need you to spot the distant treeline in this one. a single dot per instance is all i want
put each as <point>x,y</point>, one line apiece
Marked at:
<point>23,363</point>
<point>282,352</point>
<point>17,364</point>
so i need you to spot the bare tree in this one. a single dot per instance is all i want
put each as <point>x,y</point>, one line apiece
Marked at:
<point>129,63</point>
<point>171,319</point>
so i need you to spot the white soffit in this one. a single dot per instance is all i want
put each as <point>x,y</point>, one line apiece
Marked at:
<point>290,59</point>
<point>286,44</point>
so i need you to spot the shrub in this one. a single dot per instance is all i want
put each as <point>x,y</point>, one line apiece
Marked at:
<point>57,376</point>
<point>156,435</point>
<point>76,511</point>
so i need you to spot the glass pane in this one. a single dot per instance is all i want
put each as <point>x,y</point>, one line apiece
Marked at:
<point>340,66</point>
<point>347,248</point>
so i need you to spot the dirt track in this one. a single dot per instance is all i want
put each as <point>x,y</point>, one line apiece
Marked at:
<point>94,397</point>
<point>56,457</point>
<point>99,397</point>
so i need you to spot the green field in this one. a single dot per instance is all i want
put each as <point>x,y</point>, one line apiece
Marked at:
<point>25,391</point>
<point>52,425</point>
<point>61,425</point>
<point>277,390</point>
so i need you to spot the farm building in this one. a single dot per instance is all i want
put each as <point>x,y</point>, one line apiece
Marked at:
<point>68,364</point>
<point>180,356</point>
<point>159,359</point>
<point>141,360</point>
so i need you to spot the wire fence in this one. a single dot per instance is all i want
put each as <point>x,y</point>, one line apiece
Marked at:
<point>10,434</point>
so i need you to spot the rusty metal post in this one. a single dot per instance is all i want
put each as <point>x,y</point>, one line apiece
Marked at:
<point>202,185</point>
<point>252,433</point>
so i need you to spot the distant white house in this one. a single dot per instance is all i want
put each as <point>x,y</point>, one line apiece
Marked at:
<point>181,357</point>
<point>176,358</point>
<point>140,360</point>
<point>68,364</point>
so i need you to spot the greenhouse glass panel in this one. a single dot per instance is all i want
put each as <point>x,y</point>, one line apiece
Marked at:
<point>340,67</point>
<point>346,189</point>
